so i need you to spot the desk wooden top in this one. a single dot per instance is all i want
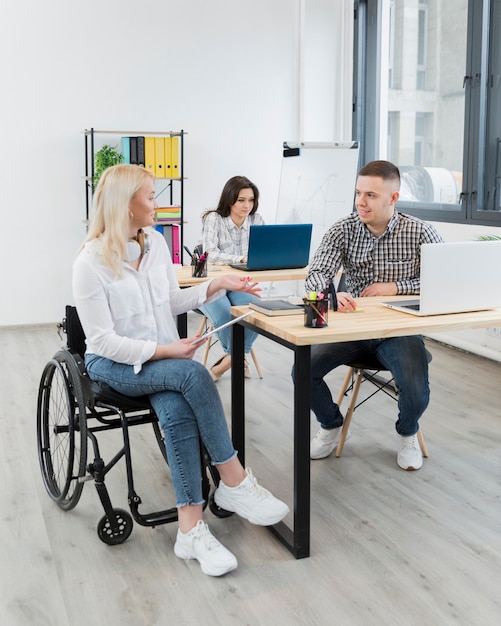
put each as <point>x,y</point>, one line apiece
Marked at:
<point>374,321</point>
<point>185,278</point>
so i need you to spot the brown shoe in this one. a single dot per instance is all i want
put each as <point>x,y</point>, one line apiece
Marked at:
<point>220,367</point>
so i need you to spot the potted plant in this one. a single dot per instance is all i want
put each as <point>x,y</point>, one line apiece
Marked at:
<point>104,158</point>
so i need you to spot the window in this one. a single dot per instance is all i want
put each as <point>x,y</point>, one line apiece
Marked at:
<point>422,34</point>
<point>427,91</point>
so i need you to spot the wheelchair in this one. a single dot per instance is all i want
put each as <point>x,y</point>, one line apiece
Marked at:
<point>71,411</point>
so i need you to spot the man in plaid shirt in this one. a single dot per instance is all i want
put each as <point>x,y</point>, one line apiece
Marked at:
<point>378,249</point>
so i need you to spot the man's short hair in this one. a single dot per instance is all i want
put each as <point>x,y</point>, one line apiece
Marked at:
<point>382,169</point>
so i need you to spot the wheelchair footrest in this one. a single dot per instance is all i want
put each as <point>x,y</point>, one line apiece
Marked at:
<point>154,518</point>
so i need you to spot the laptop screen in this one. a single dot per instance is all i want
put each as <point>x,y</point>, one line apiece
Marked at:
<point>279,246</point>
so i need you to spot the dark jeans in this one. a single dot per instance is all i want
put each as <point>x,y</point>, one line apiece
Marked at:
<point>404,357</point>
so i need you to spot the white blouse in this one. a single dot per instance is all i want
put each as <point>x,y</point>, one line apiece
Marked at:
<point>124,318</point>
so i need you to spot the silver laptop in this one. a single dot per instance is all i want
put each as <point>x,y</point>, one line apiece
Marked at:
<point>456,278</point>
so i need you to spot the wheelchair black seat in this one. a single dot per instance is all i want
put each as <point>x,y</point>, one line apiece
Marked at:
<point>99,391</point>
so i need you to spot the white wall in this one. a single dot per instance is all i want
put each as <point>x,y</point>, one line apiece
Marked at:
<point>225,72</point>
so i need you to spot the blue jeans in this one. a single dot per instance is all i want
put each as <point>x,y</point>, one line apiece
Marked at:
<point>188,407</point>
<point>219,313</point>
<point>404,357</point>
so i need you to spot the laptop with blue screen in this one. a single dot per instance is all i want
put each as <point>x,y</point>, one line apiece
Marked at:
<point>277,246</point>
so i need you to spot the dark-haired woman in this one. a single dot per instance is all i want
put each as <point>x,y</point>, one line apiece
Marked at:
<point>225,237</point>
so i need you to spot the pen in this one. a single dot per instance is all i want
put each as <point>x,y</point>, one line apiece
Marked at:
<point>188,251</point>
<point>318,313</point>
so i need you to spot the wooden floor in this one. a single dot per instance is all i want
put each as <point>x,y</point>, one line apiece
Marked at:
<point>388,547</point>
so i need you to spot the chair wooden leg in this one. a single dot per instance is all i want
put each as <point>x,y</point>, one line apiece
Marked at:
<point>358,374</point>
<point>256,364</point>
<point>344,386</point>
<point>205,325</point>
<point>202,326</point>
<point>424,449</point>
<point>205,357</point>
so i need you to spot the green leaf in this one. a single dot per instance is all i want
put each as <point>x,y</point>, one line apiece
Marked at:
<point>105,158</point>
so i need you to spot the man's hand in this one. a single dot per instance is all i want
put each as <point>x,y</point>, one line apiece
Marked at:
<point>345,302</point>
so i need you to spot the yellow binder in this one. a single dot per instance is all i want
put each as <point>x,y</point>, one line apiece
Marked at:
<point>174,158</point>
<point>149,154</point>
<point>168,157</point>
<point>160,158</point>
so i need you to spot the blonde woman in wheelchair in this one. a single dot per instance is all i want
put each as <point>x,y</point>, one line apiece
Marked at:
<point>127,297</point>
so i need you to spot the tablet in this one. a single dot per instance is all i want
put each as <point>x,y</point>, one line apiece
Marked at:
<point>216,330</point>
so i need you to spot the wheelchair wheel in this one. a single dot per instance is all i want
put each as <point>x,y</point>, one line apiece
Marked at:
<point>110,536</point>
<point>62,430</point>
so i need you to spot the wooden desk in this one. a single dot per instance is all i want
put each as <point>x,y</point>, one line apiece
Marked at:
<point>185,279</point>
<point>374,322</point>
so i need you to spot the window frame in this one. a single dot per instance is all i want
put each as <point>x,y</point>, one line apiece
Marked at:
<point>368,26</point>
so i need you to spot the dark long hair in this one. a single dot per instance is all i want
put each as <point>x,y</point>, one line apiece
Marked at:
<point>230,193</point>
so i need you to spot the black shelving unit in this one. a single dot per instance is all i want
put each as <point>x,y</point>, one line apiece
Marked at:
<point>172,186</point>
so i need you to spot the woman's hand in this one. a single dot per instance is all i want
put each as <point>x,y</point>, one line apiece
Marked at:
<point>231,282</point>
<point>181,349</point>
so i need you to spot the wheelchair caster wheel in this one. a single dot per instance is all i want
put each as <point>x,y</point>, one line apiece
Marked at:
<point>110,536</point>
<point>217,510</point>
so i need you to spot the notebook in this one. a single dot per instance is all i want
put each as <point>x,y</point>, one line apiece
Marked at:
<point>456,278</point>
<point>276,307</point>
<point>277,246</point>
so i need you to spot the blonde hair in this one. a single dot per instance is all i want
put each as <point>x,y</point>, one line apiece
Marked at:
<point>110,221</point>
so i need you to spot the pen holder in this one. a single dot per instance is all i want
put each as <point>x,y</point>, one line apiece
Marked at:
<point>199,268</point>
<point>315,313</point>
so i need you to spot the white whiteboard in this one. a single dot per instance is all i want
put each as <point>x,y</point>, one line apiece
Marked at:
<point>317,186</point>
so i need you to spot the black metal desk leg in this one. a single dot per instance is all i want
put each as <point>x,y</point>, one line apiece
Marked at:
<point>297,540</point>
<point>302,391</point>
<point>238,391</point>
<point>182,325</point>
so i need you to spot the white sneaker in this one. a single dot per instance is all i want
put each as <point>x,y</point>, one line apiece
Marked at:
<point>324,442</point>
<point>199,544</point>
<point>251,501</point>
<point>409,456</point>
